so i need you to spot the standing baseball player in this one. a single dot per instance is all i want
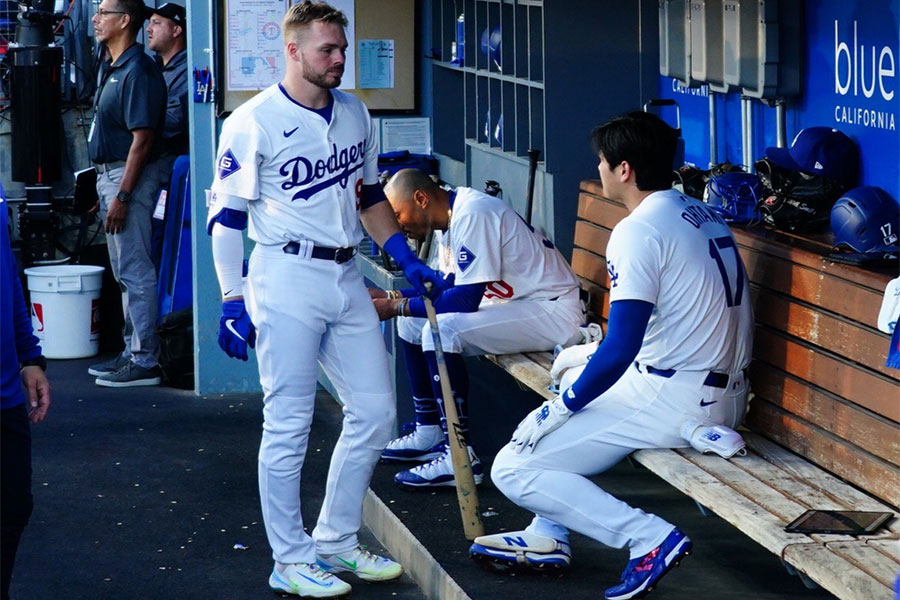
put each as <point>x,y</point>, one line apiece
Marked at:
<point>679,337</point>
<point>299,162</point>
<point>513,292</point>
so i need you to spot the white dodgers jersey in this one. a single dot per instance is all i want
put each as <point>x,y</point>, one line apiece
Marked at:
<point>490,242</point>
<point>302,175</point>
<point>676,253</point>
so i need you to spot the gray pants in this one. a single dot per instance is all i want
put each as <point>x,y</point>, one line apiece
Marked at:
<point>132,265</point>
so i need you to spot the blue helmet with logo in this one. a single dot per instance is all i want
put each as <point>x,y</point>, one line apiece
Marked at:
<point>866,219</point>
<point>735,196</point>
<point>491,45</point>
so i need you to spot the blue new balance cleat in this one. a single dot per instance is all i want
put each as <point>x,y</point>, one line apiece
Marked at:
<point>438,472</point>
<point>416,443</point>
<point>643,573</point>
<point>520,550</point>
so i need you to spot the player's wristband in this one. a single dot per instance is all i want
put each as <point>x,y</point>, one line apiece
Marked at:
<point>40,361</point>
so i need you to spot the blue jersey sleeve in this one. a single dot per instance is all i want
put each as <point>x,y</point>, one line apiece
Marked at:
<point>627,324</point>
<point>461,298</point>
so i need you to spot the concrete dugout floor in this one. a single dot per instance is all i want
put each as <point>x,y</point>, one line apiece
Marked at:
<point>143,493</point>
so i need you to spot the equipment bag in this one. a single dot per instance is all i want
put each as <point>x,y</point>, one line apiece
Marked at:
<point>794,201</point>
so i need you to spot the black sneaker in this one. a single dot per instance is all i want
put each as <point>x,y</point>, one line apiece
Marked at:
<point>109,366</point>
<point>131,375</point>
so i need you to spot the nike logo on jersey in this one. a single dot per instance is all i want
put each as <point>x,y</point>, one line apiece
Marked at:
<point>288,134</point>
<point>704,403</point>
<point>340,165</point>
<point>228,164</point>
<point>113,80</point>
<point>229,325</point>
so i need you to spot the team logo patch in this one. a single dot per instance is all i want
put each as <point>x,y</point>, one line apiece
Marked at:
<point>613,275</point>
<point>228,164</point>
<point>464,258</point>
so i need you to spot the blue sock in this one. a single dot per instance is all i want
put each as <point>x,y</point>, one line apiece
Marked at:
<point>420,384</point>
<point>459,384</point>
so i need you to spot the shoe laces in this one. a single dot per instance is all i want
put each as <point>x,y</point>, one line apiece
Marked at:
<point>124,368</point>
<point>434,463</point>
<point>313,570</point>
<point>646,563</point>
<point>365,554</point>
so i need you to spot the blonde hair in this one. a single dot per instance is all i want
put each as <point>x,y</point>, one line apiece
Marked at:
<point>301,15</point>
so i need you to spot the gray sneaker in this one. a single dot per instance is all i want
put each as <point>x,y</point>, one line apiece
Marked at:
<point>109,366</point>
<point>131,375</point>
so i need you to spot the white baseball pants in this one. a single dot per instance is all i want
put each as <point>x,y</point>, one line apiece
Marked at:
<point>641,410</point>
<point>503,328</point>
<point>307,312</point>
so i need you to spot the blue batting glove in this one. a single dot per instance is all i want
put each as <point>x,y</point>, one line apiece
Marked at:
<point>236,331</point>
<point>418,274</point>
<point>415,270</point>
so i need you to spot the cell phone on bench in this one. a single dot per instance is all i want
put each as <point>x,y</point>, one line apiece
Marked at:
<point>849,522</point>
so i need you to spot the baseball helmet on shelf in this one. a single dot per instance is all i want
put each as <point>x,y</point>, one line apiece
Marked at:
<point>735,196</point>
<point>491,40</point>
<point>866,219</point>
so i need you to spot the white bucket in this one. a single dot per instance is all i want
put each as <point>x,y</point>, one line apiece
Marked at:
<point>65,309</point>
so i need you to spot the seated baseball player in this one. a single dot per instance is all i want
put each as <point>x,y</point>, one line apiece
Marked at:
<point>679,337</point>
<point>513,292</point>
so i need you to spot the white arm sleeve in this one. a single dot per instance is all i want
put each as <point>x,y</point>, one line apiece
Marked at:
<point>228,256</point>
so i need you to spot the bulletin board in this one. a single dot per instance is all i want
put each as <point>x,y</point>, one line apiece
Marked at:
<point>374,20</point>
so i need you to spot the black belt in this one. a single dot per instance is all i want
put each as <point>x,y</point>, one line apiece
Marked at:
<point>338,255</point>
<point>713,379</point>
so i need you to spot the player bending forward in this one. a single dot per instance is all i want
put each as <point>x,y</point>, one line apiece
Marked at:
<point>679,338</point>
<point>513,292</point>
<point>299,161</point>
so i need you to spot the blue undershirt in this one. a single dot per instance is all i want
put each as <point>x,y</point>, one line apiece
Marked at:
<point>625,334</point>
<point>324,112</point>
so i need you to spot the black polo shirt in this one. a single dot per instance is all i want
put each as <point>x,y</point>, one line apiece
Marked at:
<point>175,131</point>
<point>131,94</point>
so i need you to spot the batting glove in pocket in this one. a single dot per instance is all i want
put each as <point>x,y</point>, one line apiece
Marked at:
<point>547,417</point>
<point>236,331</point>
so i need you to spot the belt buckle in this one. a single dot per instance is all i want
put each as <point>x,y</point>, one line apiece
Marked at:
<point>342,255</point>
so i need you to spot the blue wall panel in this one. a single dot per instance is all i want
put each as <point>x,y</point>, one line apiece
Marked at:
<point>843,87</point>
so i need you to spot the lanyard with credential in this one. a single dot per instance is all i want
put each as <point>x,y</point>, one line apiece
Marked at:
<point>103,74</point>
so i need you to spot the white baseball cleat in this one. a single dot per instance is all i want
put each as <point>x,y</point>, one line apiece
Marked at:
<point>518,550</point>
<point>362,563</point>
<point>306,580</point>
<point>437,473</point>
<point>423,443</point>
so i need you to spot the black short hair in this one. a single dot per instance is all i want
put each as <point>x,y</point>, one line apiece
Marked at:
<point>645,141</point>
<point>138,11</point>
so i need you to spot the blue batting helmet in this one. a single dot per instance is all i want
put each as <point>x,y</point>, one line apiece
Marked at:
<point>866,219</point>
<point>491,42</point>
<point>735,196</point>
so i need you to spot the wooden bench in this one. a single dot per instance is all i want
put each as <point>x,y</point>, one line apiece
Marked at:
<point>822,430</point>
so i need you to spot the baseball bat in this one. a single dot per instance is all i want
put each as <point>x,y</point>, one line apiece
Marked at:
<point>466,493</point>
<point>533,157</point>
